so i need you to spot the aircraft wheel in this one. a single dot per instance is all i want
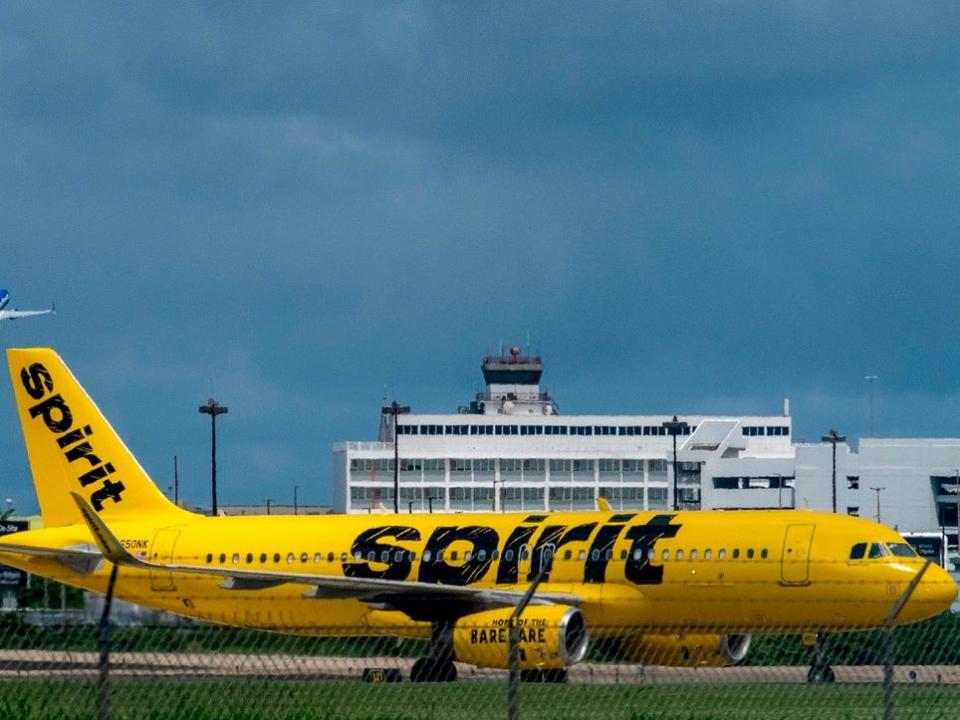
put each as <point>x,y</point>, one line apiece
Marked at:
<point>821,674</point>
<point>556,675</point>
<point>433,670</point>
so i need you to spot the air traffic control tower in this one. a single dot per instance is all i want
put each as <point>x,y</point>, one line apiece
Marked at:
<point>513,386</point>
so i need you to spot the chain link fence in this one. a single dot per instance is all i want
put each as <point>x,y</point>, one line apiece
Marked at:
<point>158,667</point>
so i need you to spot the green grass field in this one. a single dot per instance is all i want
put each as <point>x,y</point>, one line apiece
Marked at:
<point>167,699</point>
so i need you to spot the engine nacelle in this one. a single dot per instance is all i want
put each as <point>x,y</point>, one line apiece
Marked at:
<point>551,636</point>
<point>686,650</point>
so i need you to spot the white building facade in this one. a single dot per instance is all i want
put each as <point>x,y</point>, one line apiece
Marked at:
<point>510,450</point>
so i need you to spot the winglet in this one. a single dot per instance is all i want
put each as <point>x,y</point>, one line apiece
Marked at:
<point>603,505</point>
<point>111,548</point>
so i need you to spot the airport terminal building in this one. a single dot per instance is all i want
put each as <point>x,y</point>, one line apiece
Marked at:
<point>510,449</point>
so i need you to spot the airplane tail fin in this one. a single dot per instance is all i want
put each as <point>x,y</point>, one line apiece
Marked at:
<point>73,449</point>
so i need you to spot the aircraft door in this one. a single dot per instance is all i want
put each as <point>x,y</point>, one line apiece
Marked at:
<point>795,561</point>
<point>161,551</point>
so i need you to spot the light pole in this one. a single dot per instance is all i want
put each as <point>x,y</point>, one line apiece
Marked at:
<point>877,490</point>
<point>213,408</point>
<point>269,500</point>
<point>870,379</point>
<point>495,498</point>
<point>674,428</point>
<point>956,490</point>
<point>296,488</point>
<point>833,437</point>
<point>176,482</point>
<point>396,409</point>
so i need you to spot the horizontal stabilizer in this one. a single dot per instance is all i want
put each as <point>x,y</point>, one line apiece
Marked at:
<point>78,559</point>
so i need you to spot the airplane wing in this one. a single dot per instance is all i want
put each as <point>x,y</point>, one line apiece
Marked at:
<point>418,600</point>
<point>14,314</point>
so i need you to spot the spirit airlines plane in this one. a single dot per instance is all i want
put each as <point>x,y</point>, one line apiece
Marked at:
<point>685,588</point>
<point>14,314</point>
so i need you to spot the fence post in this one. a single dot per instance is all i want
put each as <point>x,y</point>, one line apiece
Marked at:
<point>513,653</point>
<point>103,642</point>
<point>889,648</point>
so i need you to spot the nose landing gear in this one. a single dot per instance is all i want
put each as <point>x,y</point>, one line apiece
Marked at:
<point>820,670</point>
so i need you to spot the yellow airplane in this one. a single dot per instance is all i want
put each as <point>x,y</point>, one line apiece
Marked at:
<point>684,588</point>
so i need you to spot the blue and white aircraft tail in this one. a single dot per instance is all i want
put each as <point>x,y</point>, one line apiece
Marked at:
<point>14,314</point>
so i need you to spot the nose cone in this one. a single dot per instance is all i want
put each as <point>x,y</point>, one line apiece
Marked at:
<point>934,595</point>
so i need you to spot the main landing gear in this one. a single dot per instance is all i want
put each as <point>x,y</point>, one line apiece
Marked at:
<point>556,675</point>
<point>820,670</point>
<point>438,667</point>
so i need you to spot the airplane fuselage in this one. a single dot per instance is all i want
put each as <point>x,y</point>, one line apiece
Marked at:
<point>750,571</point>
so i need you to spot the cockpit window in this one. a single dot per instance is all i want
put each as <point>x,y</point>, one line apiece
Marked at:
<point>857,551</point>
<point>902,549</point>
<point>877,550</point>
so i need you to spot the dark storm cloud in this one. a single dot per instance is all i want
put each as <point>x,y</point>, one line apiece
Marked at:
<point>688,206</point>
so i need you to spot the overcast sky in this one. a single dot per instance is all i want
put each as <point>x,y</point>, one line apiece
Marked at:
<point>698,208</point>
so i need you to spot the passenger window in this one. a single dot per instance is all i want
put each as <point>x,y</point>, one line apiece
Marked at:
<point>413,555</point>
<point>721,554</point>
<point>249,558</point>
<point>608,555</point>
<point>749,553</point>
<point>357,555</point>
<point>567,554</point>
<point>582,555</point>
<point>453,554</point>
<point>209,557</point>
<point>439,556</point>
<point>263,557</point>
<point>679,554</point>
<point>651,554</point>
<point>595,555</point>
<point>385,556</point>
<point>508,555</point>
<point>426,556</point>
<point>223,558</point>
<point>707,554</point>
<point>343,557</point>
<point>623,555</point>
<point>763,553</point>
<point>276,557</point>
<point>524,553</point>
<point>329,557</point>
<point>666,555</point>
<point>736,553</point>
<point>236,558</point>
<point>637,554</point>
<point>481,555</point>
<point>495,555</point>
<point>693,554</point>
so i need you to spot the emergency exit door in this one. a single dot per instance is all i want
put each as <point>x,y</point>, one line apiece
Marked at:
<point>795,561</point>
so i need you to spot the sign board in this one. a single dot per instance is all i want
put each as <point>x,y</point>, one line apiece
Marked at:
<point>928,546</point>
<point>9,576</point>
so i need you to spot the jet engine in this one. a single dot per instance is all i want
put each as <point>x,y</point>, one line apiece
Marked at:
<point>550,636</point>
<point>686,650</point>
